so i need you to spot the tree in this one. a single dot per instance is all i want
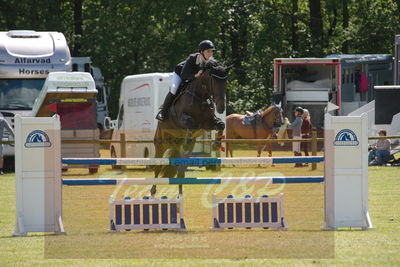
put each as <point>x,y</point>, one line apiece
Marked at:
<point>77,27</point>
<point>316,27</point>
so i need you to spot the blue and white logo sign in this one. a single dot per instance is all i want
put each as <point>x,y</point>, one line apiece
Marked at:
<point>37,138</point>
<point>346,137</point>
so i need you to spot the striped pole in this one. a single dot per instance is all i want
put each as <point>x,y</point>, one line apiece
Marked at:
<point>193,181</point>
<point>190,161</point>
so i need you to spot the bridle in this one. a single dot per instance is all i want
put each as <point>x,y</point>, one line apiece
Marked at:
<point>208,97</point>
<point>277,110</point>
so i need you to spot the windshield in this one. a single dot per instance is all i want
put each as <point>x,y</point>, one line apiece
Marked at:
<point>19,94</point>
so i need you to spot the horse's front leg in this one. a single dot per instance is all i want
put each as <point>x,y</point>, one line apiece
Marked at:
<point>259,148</point>
<point>269,149</point>
<point>217,142</point>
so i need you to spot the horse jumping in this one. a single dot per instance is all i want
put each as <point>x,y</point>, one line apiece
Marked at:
<point>191,114</point>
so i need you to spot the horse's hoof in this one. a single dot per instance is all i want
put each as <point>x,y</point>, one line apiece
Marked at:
<point>272,165</point>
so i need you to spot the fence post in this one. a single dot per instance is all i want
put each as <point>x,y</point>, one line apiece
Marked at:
<point>123,147</point>
<point>314,148</point>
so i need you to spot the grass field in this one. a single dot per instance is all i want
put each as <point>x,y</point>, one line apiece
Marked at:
<point>88,243</point>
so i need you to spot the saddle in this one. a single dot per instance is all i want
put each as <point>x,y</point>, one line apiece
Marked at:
<point>252,118</point>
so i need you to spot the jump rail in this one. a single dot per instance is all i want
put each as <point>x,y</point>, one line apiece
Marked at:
<point>193,181</point>
<point>190,161</point>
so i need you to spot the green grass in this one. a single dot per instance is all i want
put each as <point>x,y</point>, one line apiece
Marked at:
<point>87,243</point>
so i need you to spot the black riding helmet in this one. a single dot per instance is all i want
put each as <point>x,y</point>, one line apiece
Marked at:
<point>299,110</point>
<point>206,44</point>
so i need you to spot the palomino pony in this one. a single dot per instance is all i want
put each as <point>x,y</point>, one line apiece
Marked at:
<point>191,113</point>
<point>263,128</point>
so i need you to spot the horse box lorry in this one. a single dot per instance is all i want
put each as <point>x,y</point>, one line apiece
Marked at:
<point>26,58</point>
<point>345,80</point>
<point>140,98</point>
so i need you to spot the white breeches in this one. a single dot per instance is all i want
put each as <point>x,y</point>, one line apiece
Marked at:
<point>176,81</point>
<point>296,145</point>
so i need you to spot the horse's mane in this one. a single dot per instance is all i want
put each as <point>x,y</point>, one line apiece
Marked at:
<point>216,70</point>
<point>269,110</point>
<point>209,64</point>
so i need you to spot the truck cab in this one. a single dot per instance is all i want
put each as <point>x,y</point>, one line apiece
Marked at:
<point>84,64</point>
<point>26,59</point>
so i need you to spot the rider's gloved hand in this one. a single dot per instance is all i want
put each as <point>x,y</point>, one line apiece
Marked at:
<point>197,75</point>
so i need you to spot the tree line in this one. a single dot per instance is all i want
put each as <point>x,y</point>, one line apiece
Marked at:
<point>141,36</point>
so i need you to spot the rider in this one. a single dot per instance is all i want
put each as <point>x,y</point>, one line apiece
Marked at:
<point>187,70</point>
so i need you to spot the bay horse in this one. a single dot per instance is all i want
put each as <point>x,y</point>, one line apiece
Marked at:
<point>263,128</point>
<point>192,112</point>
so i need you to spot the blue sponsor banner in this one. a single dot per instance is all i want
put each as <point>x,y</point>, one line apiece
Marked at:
<point>297,180</point>
<point>195,161</point>
<point>96,161</point>
<point>89,181</point>
<point>298,160</point>
<point>194,181</point>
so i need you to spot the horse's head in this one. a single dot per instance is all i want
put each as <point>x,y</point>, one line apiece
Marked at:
<point>216,77</point>
<point>273,116</point>
<point>278,115</point>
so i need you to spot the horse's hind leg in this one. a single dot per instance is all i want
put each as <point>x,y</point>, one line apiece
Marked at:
<point>259,148</point>
<point>164,171</point>
<point>188,148</point>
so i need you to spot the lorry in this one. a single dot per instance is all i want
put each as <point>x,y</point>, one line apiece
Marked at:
<point>344,80</point>
<point>140,98</point>
<point>26,59</point>
<point>85,64</point>
<point>72,95</point>
<point>384,111</point>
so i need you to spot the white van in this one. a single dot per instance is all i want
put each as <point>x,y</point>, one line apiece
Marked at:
<point>140,98</point>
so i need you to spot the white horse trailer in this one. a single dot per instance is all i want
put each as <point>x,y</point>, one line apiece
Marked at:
<point>72,96</point>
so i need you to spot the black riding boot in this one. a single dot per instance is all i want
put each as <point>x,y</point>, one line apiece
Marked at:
<point>296,154</point>
<point>162,114</point>
<point>218,123</point>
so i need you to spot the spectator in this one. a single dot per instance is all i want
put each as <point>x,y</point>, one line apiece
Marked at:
<point>306,128</point>
<point>296,126</point>
<point>380,153</point>
<point>3,125</point>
